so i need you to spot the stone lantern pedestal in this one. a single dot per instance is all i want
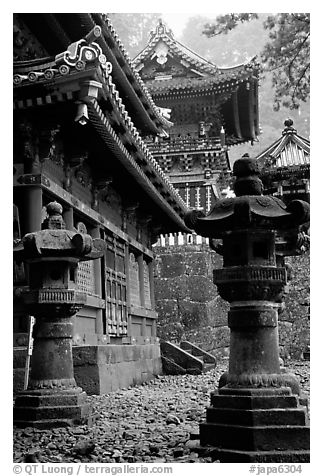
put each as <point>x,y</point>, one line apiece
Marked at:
<point>52,398</point>
<point>255,414</point>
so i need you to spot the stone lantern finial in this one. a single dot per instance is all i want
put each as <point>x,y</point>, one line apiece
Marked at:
<point>246,171</point>
<point>54,221</point>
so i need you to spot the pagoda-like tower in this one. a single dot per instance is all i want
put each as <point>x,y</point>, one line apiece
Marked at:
<point>285,166</point>
<point>211,108</point>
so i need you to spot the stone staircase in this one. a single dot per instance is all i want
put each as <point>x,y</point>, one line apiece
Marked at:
<point>187,358</point>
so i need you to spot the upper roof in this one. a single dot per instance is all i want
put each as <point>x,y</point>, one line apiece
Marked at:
<point>56,32</point>
<point>289,151</point>
<point>81,73</point>
<point>201,73</point>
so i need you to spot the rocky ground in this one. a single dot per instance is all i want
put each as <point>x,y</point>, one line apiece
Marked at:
<point>149,423</point>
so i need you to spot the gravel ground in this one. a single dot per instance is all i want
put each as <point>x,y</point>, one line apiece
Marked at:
<point>148,423</point>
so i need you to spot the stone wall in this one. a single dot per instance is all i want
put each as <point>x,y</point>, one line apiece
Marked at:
<point>187,303</point>
<point>294,322</point>
<point>189,307</point>
<point>104,368</point>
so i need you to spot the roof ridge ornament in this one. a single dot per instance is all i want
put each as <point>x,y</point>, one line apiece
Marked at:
<point>161,29</point>
<point>289,129</point>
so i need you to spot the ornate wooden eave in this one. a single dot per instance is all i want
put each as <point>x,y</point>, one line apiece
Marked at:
<point>57,31</point>
<point>181,73</point>
<point>201,66</point>
<point>81,74</point>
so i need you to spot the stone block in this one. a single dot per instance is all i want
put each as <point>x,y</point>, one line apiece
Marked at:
<point>197,263</point>
<point>18,380</point>
<point>217,310</point>
<point>19,357</point>
<point>171,288</point>
<point>128,353</point>
<point>157,366</point>
<point>171,265</point>
<point>84,355</point>
<point>266,438</point>
<point>88,378</point>
<point>200,288</point>
<point>167,310</point>
<point>193,314</point>
<point>274,416</point>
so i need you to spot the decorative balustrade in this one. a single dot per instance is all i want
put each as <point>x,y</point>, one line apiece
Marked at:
<point>181,239</point>
<point>184,144</point>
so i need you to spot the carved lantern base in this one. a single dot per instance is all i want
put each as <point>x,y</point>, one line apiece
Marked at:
<point>255,425</point>
<point>255,416</point>
<point>52,408</point>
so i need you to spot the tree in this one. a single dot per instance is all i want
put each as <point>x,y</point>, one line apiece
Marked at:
<point>286,54</point>
<point>134,28</point>
<point>245,42</point>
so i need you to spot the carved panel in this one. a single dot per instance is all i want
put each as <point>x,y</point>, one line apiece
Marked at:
<point>134,281</point>
<point>147,286</point>
<point>116,287</point>
<point>85,278</point>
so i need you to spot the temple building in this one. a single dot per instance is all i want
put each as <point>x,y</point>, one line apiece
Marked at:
<point>212,109</point>
<point>285,166</point>
<point>81,114</point>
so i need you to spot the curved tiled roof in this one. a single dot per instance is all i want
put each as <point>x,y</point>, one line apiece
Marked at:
<point>84,60</point>
<point>219,82</point>
<point>186,54</point>
<point>289,150</point>
<point>138,93</point>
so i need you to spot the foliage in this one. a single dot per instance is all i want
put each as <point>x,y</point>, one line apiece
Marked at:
<point>243,43</point>
<point>134,28</point>
<point>286,54</point>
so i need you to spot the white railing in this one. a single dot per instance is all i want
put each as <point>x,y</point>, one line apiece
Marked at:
<point>181,239</point>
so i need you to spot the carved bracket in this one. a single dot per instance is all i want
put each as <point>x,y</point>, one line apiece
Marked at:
<point>100,190</point>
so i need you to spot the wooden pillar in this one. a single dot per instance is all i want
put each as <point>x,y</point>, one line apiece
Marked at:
<point>152,295</point>
<point>68,217</point>
<point>128,290</point>
<point>32,209</point>
<point>98,284</point>
<point>236,118</point>
<point>175,239</point>
<point>251,111</point>
<point>142,291</point>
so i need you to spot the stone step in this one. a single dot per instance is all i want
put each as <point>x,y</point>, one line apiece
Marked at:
<point>239,456</point>
<point>198,352</point>
<point>181,357</point>
<point>60,399</point>
<point>50,412</point>
<point>253,402</point>
<point>278,416</point>
<point>259,438</point>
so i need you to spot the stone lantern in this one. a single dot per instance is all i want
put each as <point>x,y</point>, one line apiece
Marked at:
<point>255,414</point>
<point>52,254</point>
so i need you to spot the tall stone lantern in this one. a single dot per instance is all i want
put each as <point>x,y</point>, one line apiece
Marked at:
<point>255,414</point>
<point>52,254</point>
